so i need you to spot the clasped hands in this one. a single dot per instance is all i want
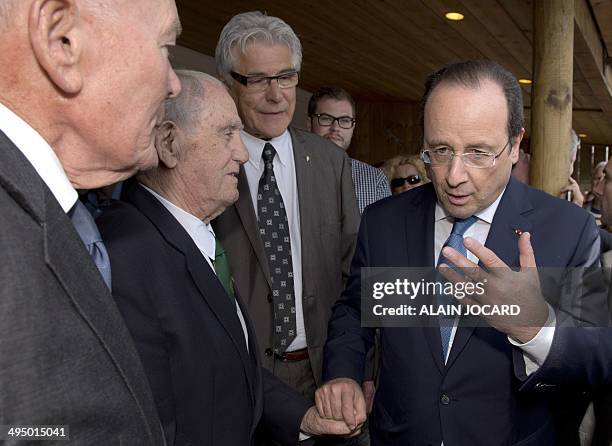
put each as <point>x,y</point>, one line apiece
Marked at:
<point>340,409</point>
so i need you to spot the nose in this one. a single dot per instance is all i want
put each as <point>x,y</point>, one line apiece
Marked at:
<point>240,152</point>
<point>174,84</point>
<point>456,172</point>
<point>273,92</point>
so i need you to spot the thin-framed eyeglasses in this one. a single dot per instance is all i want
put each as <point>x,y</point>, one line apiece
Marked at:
<point>477,158</point>
<point>325,120</point>
<point>261,83</point>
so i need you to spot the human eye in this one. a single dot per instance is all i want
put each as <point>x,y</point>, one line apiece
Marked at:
<point>325,119</point>
<point>441,151</point>
<point>345,122</point>
<point>256,81</point>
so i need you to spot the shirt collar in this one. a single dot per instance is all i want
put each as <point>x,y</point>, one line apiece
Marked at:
<point>40,155</point>
<point>486,214</point>
<point>255,146</point>
<point>201,234</point>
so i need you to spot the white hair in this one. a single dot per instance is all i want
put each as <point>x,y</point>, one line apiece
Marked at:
<point>248,27</point>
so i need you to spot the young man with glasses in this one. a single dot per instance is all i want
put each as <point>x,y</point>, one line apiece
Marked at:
<point>291,234</point>
<point>458,384</point>
<point>331,114</point>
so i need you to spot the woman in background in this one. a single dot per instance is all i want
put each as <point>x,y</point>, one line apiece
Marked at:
<point>405,172</point>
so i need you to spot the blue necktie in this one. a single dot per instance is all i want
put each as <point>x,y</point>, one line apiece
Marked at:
<point>88,231</point>
<point>455,241</point>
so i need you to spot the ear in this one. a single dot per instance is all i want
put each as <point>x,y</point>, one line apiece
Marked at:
<point>55,40</point>
<point>516,144</point>
<point>167,144</point>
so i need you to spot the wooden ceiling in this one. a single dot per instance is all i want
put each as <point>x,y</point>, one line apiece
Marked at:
<point>382,50</point>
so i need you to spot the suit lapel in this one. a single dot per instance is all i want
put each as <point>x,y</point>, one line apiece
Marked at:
<point>246,213</point>
<point>69,261</point>
<point>421,252</point>
<point>304,174</point>
<point>503,241</point>
<point>203,277</point>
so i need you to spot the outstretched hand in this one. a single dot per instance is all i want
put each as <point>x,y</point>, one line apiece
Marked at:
<point>503,286</point>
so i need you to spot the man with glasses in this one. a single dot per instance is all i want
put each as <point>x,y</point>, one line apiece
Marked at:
<point>291,234</point>
<point>331,114</point>
<point>452,383</point>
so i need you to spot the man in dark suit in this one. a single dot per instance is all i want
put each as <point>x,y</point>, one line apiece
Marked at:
<point>173,287</point>
<point>291,234</point>
<point>456,384</point>
<point>78,103</point>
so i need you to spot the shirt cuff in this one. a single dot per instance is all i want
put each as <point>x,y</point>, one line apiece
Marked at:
<point>303,437</point>
<point>536,350</point>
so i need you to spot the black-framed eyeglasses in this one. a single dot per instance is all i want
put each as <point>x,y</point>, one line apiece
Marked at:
<point>400,181</point>
<point>261,83</point>
<point>325,120</point>
<point>477,158</point>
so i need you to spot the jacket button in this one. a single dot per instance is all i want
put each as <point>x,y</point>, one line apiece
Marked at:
<point>269,352</point>
<point>445,399</point>
<point>269,297</point>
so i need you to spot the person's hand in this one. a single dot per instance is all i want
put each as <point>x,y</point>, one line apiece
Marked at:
<point>314,424</point>
<point>369,389</point>
<point>573,187</point>
<point>502,286</point>
<point>341,399</point>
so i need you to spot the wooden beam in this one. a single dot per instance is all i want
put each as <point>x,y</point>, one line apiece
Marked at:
<point>591,57</point>
<point>551,112</point>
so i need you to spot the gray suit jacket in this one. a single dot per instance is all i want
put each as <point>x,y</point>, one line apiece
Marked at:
<point>329,221</point>
<point>66,356</point>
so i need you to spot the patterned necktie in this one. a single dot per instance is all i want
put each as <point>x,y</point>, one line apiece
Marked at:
<point>274,232</point>
<point>222,269</point>
<point>88,231</point>
<point>455,241</point>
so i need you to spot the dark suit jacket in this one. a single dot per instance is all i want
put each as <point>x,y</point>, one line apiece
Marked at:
<point>329,220</point>
<point>209,389</point>
<point>482,395</point>
<point>66,356</point>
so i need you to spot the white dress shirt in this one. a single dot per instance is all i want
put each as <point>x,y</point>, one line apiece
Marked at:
<point>40,154</point>
<point>204,238</point>
<point>534,351</point>
<point>284,172</point>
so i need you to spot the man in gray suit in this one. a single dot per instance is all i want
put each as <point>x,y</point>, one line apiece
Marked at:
<point>291,234</point>
<point>78,106</point>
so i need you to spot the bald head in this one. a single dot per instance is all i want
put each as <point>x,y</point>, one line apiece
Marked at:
<point>99,95</point>
<point>199,146</point>
<point>185,109</point>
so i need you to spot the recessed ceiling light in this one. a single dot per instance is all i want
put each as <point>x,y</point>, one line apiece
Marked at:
<point>583,135</point>
<point>455,16</point>
<point>525,81</point>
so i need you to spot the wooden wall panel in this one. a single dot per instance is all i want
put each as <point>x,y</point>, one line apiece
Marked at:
<point>385,129</point>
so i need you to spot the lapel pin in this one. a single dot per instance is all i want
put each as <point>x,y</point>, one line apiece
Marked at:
<point>518,232</point>
<point>307,158</point>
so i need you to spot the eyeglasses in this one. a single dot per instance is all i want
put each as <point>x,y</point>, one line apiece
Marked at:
<point>410,179</point>
<point>325,120</point>
<point>261,83</point>
<point>477,158</point>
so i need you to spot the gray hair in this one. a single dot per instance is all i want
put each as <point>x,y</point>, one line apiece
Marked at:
<point>186,108</point>
<point>574,143</point>
<point>249,27</point>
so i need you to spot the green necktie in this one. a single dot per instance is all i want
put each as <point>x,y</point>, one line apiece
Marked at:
<point>222,269</point>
